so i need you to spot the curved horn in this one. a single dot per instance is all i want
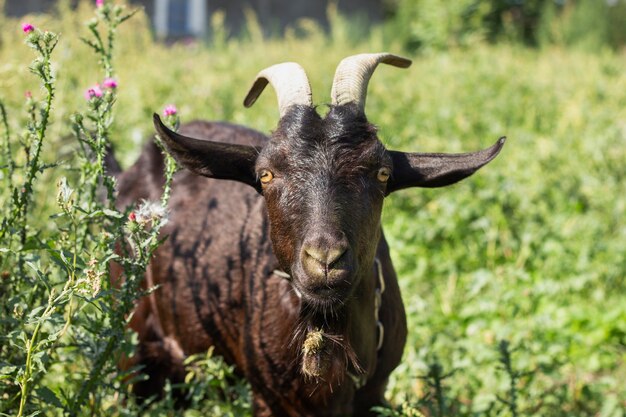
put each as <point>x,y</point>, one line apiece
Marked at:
<point>290,82</point>
<point>353,74</point>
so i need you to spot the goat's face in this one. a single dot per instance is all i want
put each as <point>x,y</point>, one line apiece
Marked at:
<point>324,181</point>
<point>323,178</point>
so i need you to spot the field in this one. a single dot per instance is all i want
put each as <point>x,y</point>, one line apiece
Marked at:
<point>514,279</point>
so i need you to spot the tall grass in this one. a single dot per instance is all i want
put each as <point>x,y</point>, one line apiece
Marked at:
<point>513,280</point>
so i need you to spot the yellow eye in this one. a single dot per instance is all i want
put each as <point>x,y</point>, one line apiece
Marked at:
<point>266,176</point>
<point>383,174</point>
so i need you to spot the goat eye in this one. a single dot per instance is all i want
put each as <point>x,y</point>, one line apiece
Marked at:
<point>266,176</point>
<point>383,174</point>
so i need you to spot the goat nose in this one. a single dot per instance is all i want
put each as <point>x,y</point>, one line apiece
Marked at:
<point>326,256</point>
<point>325,248</point>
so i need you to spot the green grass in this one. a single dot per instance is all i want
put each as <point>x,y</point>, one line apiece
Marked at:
<point>531,250</point>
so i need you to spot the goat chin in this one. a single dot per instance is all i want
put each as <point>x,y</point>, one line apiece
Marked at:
<point>326,354</point>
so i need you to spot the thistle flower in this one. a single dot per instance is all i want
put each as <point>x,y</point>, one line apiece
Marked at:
<point>95,91</point>
<point>99,3</point>
<point>64,195</point>
<point>151,212</point>
<point>132,226</point>
<point>170,110</point>
<point>109,83</point>
<point>27,27</point>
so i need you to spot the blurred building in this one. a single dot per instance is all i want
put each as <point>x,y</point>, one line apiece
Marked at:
<point>183,18</point>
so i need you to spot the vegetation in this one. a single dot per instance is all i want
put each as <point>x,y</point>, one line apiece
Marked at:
<point>437,24</point>
<point>513,280</point>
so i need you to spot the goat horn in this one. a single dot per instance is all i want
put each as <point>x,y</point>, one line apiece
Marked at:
<point>353,75</point>
<point>290,82</point>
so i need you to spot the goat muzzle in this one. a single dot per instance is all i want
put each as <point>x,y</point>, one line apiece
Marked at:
<point>327,264</point>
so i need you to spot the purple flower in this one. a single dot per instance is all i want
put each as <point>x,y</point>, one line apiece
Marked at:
<point>92,92</point>
<point>27,27</point>
<point>109,83</point>
<point>170,110</point>
<point>99,3</point>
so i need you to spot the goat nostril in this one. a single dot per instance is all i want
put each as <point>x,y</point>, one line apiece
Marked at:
<point>334,255</point>
<point>317,254</point>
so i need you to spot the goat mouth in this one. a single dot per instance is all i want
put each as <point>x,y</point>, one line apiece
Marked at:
<point>329,289</point>
<point>324,296</point>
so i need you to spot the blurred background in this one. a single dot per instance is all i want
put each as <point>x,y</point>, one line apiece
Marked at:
<point>514,279</point>
<point>422,23</point>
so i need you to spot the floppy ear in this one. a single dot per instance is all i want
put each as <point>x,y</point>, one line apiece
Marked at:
<point>210,159</point>
<point>437,169</point>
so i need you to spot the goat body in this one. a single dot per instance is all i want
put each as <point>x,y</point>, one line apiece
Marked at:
<point>218,287</point>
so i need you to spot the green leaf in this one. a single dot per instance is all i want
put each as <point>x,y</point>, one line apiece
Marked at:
<point>35,311</point>
<point>6,370</point>
<point>113,213</point>
<point>38,360</point>
<point>48,396</point>
<point>33,243</point>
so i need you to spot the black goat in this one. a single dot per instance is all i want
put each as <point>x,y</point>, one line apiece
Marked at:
<point>285,270</point>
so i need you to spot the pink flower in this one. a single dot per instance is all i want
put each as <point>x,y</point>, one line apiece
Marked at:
<point>109,83</point>
<point>99,3</point>
<point>28,95</point>
<point>27,27</point>
<point>170,110</point>
<point>92,92</point>
<point>132,216</point>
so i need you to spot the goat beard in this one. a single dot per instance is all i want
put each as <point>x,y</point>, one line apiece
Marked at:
<point>326,354</point>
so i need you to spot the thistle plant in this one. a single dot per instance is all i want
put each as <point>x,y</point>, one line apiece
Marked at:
<point>23,332</point>
<point>436,398</point>
<point>6,149</point>
<point>510,401</point>
<point>173,120</point>
<point>131,250</point>
<point>16,222</point>
<point>108,16</point>
<point>72,303</point>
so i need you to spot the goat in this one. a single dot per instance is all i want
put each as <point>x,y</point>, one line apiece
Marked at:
<point>284,269</point>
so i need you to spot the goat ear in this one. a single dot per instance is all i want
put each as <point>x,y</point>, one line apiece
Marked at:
<point>432,170</point>
<point>210,159</point>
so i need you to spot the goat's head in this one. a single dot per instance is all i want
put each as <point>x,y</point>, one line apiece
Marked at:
<point>323,178</point>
